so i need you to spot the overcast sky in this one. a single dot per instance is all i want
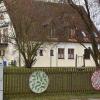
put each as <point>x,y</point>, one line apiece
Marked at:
<point>94,9</point>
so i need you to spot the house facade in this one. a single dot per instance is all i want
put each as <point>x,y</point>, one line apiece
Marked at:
<point>64,54</point>
<point>65,50</point>
<point>4,27</point>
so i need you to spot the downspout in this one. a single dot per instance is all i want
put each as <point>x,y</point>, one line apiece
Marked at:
<point>76,61</point>
<point>56,56</point>
<point>50,59</point>
<point>19,59</point>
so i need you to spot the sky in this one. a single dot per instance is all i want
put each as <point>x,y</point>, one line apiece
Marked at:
<point>94,10</point>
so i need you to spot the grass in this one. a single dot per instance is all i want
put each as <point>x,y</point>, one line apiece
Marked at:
<point>57,97</point>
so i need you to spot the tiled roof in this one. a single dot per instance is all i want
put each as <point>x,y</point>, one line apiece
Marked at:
<point>65,21</point>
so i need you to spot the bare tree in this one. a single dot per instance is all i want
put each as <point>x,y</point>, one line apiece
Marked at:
<point>28,27</point>
<point>34,25</point>
<point>94,51</point>
<point>1,0</point>
<point>29,33</point>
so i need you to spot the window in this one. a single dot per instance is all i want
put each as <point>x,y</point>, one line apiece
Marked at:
<point>95,34</point>
<point>2,52</point>
<point>1,17</point>
<point>60,53</point>
<point>84,34</point>
<point>5,35</point>
<point>70,53</point>
<point>13,62</point>
<point>72,35</point>
<point>5,31</point>
<point>41,52</point>
<point>51,31</point>
<point>51,53</point>
<point>0,36</point>
<point>86,54</point>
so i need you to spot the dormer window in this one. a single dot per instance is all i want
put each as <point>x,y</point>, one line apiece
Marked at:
<point>83,33</point>
<point>72,31</point>
<point>95,34</point>
<point>72,35</point>
<point>52,31</point>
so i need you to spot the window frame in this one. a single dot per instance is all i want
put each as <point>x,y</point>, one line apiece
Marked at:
<point>61,53</point>
<point>86,57</point>
<point>41,52</point>
<point>2,52</point>
<point>51,52</point>
<point>71,53</point>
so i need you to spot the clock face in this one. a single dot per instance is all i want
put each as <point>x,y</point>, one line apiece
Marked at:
<point>38,81</point>
<point>96,80</point>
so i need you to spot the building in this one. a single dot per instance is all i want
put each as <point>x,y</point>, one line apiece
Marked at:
<point>4,27</point>
<point>66,33</point>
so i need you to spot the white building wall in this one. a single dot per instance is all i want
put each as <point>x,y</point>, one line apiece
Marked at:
<point>53,61</point>
<point>46,60</point>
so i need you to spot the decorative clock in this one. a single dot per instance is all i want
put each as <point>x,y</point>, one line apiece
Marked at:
<point>96,80</point>
<point>38,81</point>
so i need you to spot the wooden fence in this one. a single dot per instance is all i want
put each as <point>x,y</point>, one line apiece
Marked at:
<point>61,80</point>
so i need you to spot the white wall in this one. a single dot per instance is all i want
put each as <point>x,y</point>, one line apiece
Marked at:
<point>46,60</point>
<point>52,61</point>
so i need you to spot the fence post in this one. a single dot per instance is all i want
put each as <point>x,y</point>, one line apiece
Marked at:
<point>76,61</point>
<point>1,81</point>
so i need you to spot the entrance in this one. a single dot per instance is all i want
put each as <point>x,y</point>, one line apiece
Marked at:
<point>80,62</point>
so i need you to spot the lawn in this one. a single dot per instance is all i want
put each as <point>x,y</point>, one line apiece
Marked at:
<point>58,97</point>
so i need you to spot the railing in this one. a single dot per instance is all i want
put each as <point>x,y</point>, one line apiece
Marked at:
<point>61,80</point>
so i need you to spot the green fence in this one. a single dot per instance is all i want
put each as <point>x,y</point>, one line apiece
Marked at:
<point>61,80</point>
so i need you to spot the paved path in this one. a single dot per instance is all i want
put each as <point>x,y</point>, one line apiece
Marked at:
<point>87,99</point>
<point>93,99</point>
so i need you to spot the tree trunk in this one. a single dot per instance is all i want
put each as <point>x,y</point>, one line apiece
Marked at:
<point>28,64</point>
